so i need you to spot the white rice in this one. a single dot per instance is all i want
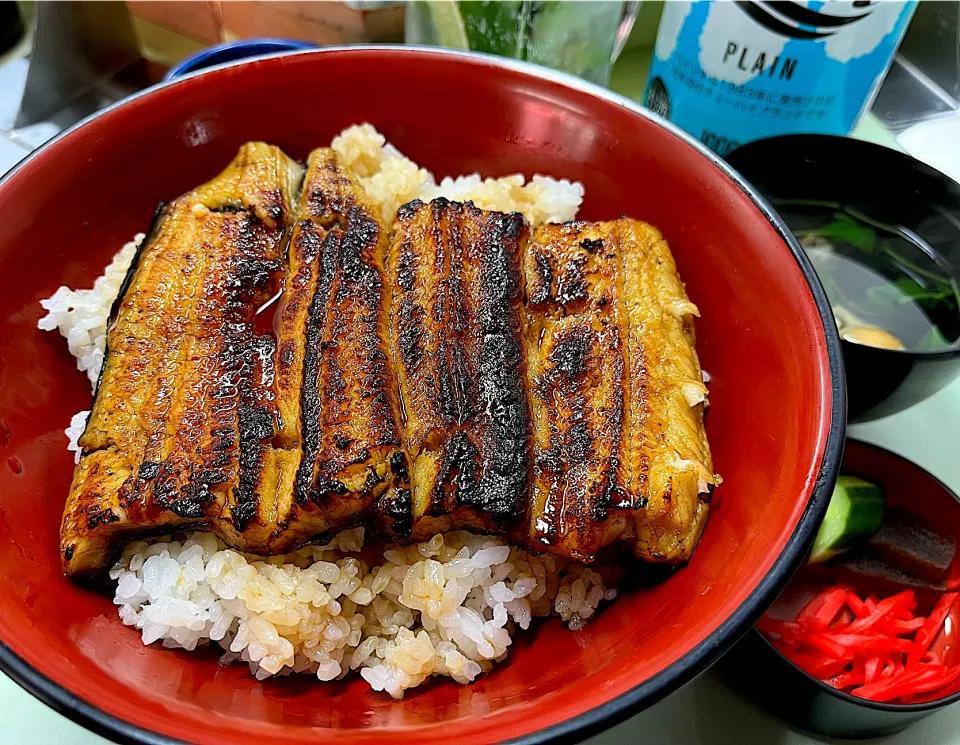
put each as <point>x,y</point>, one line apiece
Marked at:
<point>81,315</point>
<point>448,606</point>
<point>78,423</point>
<point>391,180</point>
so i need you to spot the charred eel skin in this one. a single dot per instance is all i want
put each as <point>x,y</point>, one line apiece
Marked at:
<point>458,349</point>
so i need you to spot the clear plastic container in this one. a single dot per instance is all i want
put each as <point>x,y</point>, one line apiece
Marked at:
<point>583,38</point>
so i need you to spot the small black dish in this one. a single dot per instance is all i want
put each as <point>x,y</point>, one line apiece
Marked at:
<point>892,188</point>
<point>756,670</point>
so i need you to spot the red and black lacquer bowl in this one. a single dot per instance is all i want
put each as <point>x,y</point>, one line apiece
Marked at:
<point>766,336</point>
<point>759,671</point>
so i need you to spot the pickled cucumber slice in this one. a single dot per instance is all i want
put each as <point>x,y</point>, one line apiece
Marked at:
<point>854,514</point>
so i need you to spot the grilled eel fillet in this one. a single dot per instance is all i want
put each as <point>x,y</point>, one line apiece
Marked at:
<point>458,351</point>
<point>544,388</point>
<point>335,390</point>
<point>549,384</point>
<point>620,452</point>
<point>200,417</point>
<point>180,428</point>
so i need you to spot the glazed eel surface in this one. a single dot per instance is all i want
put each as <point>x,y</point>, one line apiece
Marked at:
<point>280,365</point>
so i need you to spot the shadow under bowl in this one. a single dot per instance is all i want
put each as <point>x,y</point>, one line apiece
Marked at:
<point>757,670</point>
<point>893,188</point>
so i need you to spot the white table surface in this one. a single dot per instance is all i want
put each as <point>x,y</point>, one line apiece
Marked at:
<point>704,712</point>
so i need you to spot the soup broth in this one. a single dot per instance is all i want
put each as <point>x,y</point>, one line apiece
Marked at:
<point>887,286</point>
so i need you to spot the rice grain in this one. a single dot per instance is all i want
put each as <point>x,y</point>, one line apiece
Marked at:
<point>404,619</point>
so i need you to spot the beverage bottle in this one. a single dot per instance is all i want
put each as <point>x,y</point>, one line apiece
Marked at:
<point>732,72</point>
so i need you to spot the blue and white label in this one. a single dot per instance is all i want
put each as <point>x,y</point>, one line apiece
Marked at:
<point>732,72</point>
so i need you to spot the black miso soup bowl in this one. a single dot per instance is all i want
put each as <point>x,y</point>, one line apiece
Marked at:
<point>890,187</point>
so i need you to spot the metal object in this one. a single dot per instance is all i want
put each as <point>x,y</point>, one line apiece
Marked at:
<point>84,58</point>
<point>924,80</point>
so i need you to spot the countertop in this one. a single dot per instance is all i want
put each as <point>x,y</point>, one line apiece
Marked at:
<point>704,712</point>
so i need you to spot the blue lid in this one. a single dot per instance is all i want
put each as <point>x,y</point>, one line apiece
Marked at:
<point>232,51</point>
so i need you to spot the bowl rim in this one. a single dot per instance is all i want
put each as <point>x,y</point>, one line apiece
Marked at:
<point>272,46</point>
<point>872,151</point>
<point>885,706</point>
<point>696,660</point>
